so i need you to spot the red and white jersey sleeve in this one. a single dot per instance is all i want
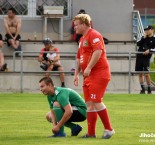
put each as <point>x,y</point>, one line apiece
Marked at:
<point>88,44</point>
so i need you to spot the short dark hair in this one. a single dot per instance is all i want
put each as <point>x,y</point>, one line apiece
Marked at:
<point>82,11</point>
<point>13,10</point>
<point>47,81</point>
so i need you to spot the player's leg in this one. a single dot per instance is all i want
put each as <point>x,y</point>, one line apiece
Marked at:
<point>91,114</point>
<point>100,108</point>
<point>59,112</point>
<point>76,117</point>
<point>104,116</point>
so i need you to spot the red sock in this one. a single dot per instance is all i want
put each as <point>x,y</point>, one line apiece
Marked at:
<point>105,119</point>
<point>91,122</point>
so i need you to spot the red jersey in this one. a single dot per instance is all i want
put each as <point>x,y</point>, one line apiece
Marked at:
<point>87,45</point>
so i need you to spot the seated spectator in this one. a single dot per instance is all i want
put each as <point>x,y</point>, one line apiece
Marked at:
<point>3,66</point>
<point>12,25</point>
<point>51,61</point>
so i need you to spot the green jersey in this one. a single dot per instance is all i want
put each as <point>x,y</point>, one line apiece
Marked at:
<point>65,96</point>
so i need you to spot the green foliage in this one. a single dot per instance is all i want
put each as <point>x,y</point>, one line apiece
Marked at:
<point>22,121</point>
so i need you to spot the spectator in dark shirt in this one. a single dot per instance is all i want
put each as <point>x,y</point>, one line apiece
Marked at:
<point>146,45</point>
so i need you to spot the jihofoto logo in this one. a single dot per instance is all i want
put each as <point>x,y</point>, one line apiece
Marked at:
<point>147,135</point>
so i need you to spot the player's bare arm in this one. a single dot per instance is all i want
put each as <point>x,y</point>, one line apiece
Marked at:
<point>54,122</point>
<point>77,71</point>
<point>64,119</point>
<point>95,57</point>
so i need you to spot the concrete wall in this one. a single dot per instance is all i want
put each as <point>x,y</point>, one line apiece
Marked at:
<point>112,18</point>
<point>29,82</point>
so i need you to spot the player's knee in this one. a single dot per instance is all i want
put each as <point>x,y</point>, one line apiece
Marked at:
<point>56,103</point>
<point>90,106</point>
<point>49,116</point>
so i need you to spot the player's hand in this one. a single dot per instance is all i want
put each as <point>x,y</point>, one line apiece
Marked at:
<point>146,52</point>
<point>55,129</point>
<point>76,80</point>
<point>87,72</point>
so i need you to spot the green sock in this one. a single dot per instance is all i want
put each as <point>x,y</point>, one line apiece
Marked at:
<point>70,125</point>
<point>58,113</point>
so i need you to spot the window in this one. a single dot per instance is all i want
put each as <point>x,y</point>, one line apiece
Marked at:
<point>33,8</point>
<point>20,6</point>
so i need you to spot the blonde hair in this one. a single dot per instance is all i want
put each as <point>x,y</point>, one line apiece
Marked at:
<point>84,18</point>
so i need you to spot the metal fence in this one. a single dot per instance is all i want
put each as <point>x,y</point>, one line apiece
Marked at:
<point>32,8</point>
<point>129,71</point>
<point>138,30</point>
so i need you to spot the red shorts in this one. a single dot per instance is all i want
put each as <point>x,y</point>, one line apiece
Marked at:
<point>94,89</point>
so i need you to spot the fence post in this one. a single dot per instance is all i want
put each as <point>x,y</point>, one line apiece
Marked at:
<point>14,60</point>
<point>129,81</point>
<point>21,72</point>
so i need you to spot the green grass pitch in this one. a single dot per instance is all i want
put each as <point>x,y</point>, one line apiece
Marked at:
<point>22,121</point>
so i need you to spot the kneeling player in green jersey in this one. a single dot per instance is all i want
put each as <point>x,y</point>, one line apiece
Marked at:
<point>66,105</point>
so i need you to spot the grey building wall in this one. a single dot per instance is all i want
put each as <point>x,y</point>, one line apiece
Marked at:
<point>113,18</point>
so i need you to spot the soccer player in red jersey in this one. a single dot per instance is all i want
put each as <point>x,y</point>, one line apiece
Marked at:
<point>92,61</point>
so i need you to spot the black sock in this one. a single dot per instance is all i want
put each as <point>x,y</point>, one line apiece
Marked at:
<point>149,88</point>
<point>142,86</point>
